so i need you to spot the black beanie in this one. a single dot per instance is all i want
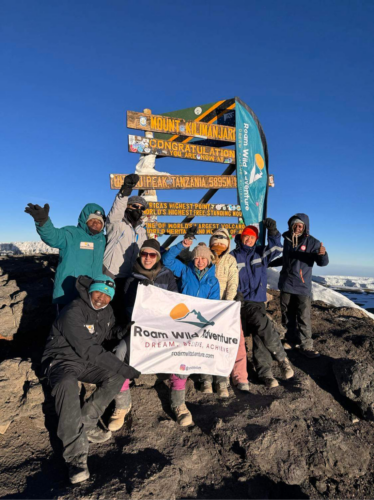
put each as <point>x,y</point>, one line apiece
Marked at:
<point>152,244</point>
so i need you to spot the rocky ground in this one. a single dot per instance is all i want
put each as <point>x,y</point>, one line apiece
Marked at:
<point>303,439</point>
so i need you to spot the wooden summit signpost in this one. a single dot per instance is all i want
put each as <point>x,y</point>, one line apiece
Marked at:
<point>225,132</point>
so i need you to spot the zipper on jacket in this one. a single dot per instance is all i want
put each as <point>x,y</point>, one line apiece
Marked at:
<point>301,276</point>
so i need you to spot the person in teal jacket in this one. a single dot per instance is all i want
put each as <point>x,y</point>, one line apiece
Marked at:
<point>81,248</point>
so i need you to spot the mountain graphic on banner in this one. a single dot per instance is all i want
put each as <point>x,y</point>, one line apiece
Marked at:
<point>195,318</point>
<point>182,314</point>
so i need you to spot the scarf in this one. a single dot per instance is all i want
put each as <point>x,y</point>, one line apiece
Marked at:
<point>150,274</point>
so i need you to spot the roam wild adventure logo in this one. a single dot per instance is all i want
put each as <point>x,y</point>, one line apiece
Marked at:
<point>182,314</point>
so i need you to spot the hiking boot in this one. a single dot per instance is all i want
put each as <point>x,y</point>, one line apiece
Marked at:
<point>78,470</point>
<point>183,415</point>
<point>222,391</point>
<point>243,386</point>
<point>206,387</point>
<point>117,420</point>
<point>286,368</point>
<point>269,382</point>
<point>309,352</point>
<point>97,435</point>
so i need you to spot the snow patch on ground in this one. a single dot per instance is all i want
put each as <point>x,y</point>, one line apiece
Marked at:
<point>352,283</point>
<point>320,292</point>
<point>26,248</point>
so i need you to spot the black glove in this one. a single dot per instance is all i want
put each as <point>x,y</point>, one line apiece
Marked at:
<point>191,233</point>
<point>146,282</point>
<point>132,372</point>
<point>239,297</point>
<point>123,332</point>
<point>271,226</point>
<point>38,213</point>
<point>128,185</point>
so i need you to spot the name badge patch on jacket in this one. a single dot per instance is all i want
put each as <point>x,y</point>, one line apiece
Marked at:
<point>303,248</point>
<point>90,328</point>
<point>87,245</point>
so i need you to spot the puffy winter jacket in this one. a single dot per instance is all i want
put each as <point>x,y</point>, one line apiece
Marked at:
<point>296,273</point>
<point>227,272</point>
<point>190,284</point>
<point>79,331</point>
<point>164,279</point>
<point>124,241</point>
<point>252,264</point>
<point>81,253</point>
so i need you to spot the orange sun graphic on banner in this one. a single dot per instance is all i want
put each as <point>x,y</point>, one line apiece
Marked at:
<point>179,311</point>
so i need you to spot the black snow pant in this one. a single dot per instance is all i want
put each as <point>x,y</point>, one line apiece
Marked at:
<point>72,419</point>
<point>296,318</point>
<point>266,341</point>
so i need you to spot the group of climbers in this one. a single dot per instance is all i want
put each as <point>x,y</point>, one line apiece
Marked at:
<point>94,270</point>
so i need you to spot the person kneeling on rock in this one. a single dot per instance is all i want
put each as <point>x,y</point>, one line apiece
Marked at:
<point>198,280</point>
<point>252,263</point>
<point>74,353</point>
<point>147,270</point>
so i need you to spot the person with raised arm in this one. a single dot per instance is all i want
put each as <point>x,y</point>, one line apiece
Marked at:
<point>197,278</point>
<point>252,261</point>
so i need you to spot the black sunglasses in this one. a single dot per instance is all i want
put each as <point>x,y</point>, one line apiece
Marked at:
<point>108,283</point>
<point>139,207</point>
<point>219,237</point>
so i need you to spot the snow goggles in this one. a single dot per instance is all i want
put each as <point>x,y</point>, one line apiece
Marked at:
<point>219,236</point>
<point>152,255</point>
<point>109,283</point>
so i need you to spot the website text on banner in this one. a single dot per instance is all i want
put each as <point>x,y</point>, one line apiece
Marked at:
<point>179,334</point>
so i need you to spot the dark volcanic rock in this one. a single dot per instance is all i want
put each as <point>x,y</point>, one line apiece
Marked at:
<point>356,382</point>
<point>299,440</point>
<point>26,310</point>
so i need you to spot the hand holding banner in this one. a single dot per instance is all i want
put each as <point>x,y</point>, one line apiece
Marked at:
<point>180,334</point>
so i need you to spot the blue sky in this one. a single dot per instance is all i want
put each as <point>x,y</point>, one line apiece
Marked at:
<point>71,69</point>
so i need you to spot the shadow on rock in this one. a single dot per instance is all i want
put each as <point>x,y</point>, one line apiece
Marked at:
<point>258,487</point>
<point>321,371</point>
<point>26,309</point>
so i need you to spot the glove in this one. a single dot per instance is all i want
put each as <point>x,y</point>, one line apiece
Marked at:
<point>128,184</point>
<point>191,233</point>
<point>271,226</point>
<point>239,297</point>
<point>39,214</point>
<point>123,332</point>
<point>132,372</point>
<point>147,282</point>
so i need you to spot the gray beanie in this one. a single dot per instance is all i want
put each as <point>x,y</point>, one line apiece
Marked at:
<point>137,199</point>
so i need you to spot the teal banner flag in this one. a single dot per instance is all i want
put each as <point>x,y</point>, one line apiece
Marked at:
<point>251,166</point>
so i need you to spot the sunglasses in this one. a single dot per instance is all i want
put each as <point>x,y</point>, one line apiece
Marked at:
<point>152,255</point>
<point>111,284</point>
<point>220,237</point>
<point>139,207</point>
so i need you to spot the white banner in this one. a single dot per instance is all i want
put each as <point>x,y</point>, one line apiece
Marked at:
<point>180,334</point>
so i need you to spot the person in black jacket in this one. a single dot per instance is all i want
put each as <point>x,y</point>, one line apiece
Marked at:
<point>300,252</point>
<point>74,353</point>
<point>147,270</point>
